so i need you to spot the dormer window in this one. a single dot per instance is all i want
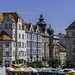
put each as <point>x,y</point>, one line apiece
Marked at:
<point>19,20</point>
<point>6,26</point>
<point>8,19</point>
<point>12,17</point>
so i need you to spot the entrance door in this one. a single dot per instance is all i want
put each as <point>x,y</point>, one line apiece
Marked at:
<point>7,63</point>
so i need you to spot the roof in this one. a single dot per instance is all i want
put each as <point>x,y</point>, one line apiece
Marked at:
<point>72,26</point>
<point>5,37</point>
<point>28,26</point>
<point>62,48</point>
<point>11,14</point>
<point>62,39</point>
<point>34,27</point>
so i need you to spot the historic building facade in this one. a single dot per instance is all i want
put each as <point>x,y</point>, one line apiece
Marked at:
<point>54,47</point>
<point>34,43</point>
<point>45,40</point>
<point>62,49</point>
<point>12,27</point>
<point>70,42</point>
<point>15,40</point>
<point>62,54</point>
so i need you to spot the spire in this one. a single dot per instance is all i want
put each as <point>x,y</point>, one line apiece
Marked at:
<point>41,18</point>
<point>41,22</point>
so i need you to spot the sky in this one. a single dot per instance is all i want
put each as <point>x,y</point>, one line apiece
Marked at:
<point>59,13</point>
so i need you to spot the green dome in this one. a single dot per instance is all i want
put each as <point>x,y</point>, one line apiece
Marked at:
<point>41,22</point>
<point>50,30</point>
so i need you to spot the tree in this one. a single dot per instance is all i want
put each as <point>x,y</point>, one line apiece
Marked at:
<point>53,63</point>
<point>68,64</point>
<point>37,64</point>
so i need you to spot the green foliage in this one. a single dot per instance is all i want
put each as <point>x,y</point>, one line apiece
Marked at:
<point>37,64</point>
<point>53,63</point>
<point>68,64</point>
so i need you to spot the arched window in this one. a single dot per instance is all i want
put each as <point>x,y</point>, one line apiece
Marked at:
<point>6,26</point>
<point>19,36</point>
<point>10,26</point>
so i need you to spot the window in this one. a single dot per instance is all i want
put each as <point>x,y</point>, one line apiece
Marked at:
<point>7,54</point>
<point>10,26</point>
<point>22,27</point>
<point>19,27</point>
<point>73,42</point>
<point>73,50</point>
<point>12,17</point>
<point>22,53</point>
<point>19,20</point>
<point>73,33</point>
<point>8,19</point>
<point>7,44</point>
<point>19,44</point>
<point>19,36</point>
<point>22,36</point>
<point>33,37</point>
<point>19,53</point>
<point>6,26</point>
<point>23,44</point>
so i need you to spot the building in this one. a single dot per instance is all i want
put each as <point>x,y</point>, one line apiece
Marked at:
<point>62,49</point>
<point>54,47</point>
<point>15,38</point>
<point>12,34</point>
<point>34,43</point>
<point>70,43</point>
<point>62,54</point>
<point>45,40</point>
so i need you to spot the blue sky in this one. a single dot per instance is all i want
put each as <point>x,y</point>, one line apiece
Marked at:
<point>59,13</point>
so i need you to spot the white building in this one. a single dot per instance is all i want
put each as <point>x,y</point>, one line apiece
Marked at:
<point>16,40</point>
<point>33,43</point>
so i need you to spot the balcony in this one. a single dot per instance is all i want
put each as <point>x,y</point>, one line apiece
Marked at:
<point>7,48</point>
